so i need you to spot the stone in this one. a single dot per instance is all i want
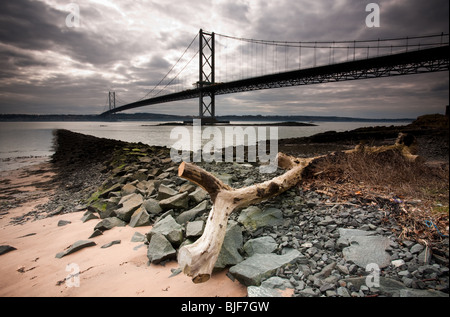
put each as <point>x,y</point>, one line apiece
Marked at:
<point>160,249</point>
<point>81,244</point>
<point>253,217</point>
<point>169,228</point>
<point>6,248</point>
<point>110,244</point>
<point>198,195</point>
<point>128,189</point>
<point>425,256</point>
<point>326,271</point>
<point>255,269</point>
<point>103,208</point>
<point>165,192</point>
<point>194,229</point>
<point>88,215</point>
<point>139,218</point>
<point>190,214</point>
<point>365,248</point>
<point>179,201</point>
<point>417,248</point>
<point>138,237</point>
<point>109,223</point>
<point>96,233</point>
<point>262,245</point>
<point>276,282</point>
<point>397,263</point>
<point>113,188</point>
<point>152,206</point>
<point>260,291</point>
<point>63,223</point>
<point>129,205</point>
<point>343,292</point>
<point>229,253</point>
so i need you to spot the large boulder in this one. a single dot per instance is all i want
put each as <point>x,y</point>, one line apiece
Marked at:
<point>229,253</point>
<point>190,214</point>
<point>160,249</point>
<point>179,201</point>
<point>255,269</point>
<point>140,218</point>
<point>262,245</point>
<point>253,217</point>
<point>169,228</point>
<point>129,204</point>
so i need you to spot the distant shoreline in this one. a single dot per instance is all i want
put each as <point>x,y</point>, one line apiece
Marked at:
<point>174,118</point>
<point>276,124</point>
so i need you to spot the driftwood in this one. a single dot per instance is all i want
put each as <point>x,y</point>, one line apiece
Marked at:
<point>197,260</point>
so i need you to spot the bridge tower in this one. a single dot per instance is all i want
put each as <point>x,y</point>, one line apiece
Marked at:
<point>207,105</point>
<point>112,100</point>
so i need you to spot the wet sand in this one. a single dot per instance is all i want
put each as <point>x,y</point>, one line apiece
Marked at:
<point>120,270</point>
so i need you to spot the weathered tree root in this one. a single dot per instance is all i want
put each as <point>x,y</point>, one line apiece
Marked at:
<point>197,260</point>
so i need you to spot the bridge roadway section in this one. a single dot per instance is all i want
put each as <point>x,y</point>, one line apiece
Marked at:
<point>412,62</point>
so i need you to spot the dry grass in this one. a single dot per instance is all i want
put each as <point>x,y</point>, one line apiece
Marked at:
<point>417,191</point>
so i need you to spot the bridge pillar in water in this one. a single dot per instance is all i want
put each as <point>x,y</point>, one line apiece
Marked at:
<point>206,110</point>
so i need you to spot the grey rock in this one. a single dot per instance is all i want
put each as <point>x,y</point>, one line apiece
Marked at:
<point>343,292</point>
<point>6,248</point>
<point>364,250</point>
<point>258,267</point>
<point>81,244</point>
<point>276,282</point>
<point>152,206</point>
<point>96,233</point>
<point>190,214</point>
<point>139,218</point>
<point>417,248</point>
<point>113,188</point>
<point>109,223</point>
<point>229,253</point>
<point>129,204</point>
<point>165,192</point>
<point>265,244</point>
<point>198,195</point>
<point>253,217</point>
<point>160,249</point>
<point>110,244</point>
<point>326,271</point>
<point>138,237</point>
<point>194,229</point>
<point>169,228</point>
<point>425,256</point>
<point>260,291</point>
<point>410,292</point>
<point>128,189</point>
<point>63,223</point>
<point>179,201</point>
<point>88,215</point>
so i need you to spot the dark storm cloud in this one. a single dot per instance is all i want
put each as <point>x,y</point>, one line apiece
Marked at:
<point>129,46</point>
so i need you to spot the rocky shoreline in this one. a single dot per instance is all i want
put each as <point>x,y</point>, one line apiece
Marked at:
<point>310,242</point>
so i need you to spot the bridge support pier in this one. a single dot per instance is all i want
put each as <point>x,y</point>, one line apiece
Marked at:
<point>207,108</point>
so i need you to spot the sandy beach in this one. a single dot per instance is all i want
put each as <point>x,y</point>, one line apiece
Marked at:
<point>120,270</point>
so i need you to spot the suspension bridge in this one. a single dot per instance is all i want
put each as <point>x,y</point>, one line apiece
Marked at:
<point>228,64</point>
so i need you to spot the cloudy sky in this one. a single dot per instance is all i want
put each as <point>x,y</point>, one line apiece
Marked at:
<point>53,62</point>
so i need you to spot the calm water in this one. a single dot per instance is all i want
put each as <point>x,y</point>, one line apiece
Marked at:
<point>19,140</point>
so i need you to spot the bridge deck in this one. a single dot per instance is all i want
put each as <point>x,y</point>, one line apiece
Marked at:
<point>413,62</point>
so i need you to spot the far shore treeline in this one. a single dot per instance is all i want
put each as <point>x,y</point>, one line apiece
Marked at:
<point>166,117</point>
